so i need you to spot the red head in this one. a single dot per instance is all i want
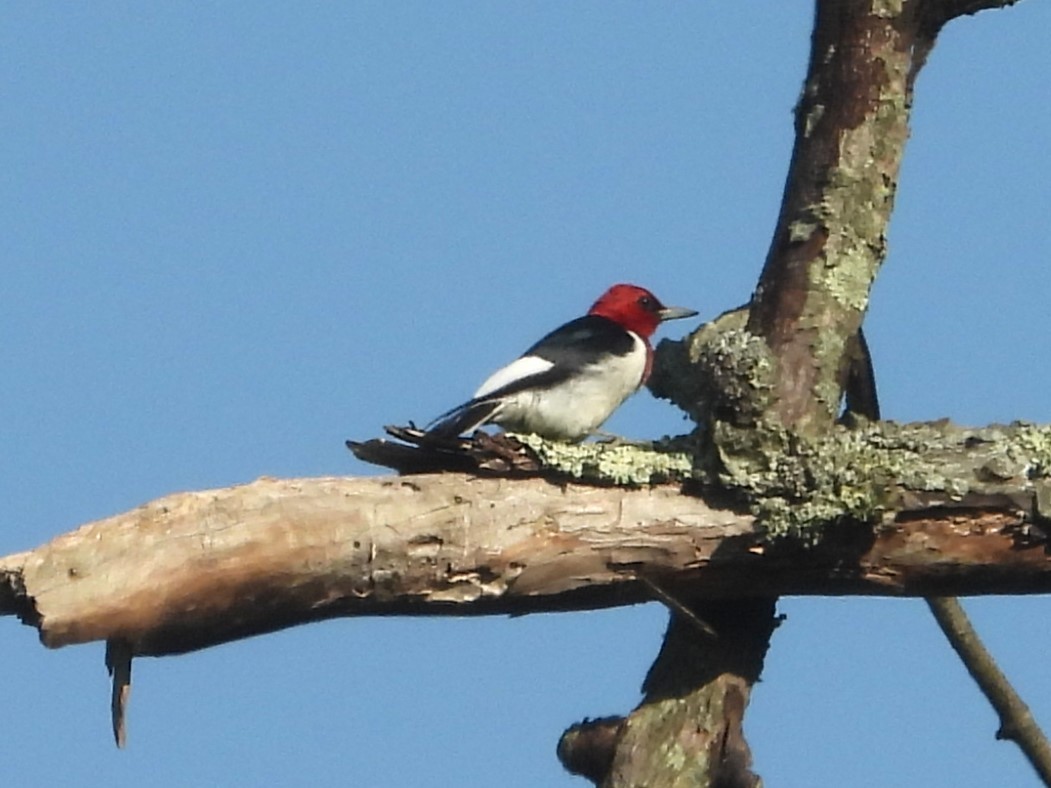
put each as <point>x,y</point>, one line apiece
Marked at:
<point>636,309</point>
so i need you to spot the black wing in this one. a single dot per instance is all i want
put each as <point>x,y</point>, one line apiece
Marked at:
<point>463,418</point>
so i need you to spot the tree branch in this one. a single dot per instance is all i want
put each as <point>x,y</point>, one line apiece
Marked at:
<point>696,693</point>
<point>1016,721</point>
<point>118,663</point>
<point>195,569</point>
<point>830,239</point>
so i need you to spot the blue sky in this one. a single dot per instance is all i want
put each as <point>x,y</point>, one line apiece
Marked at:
<point>237,234</point>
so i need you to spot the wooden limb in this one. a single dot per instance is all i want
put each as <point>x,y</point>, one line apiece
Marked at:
<point>118,663</point>
<point>679,377</point>
<point>196,569</point>
<point>830,239</point>
<point>1016,721</point>
<point>958,511</point>
<point>696,693</point>
<point>679,607</point>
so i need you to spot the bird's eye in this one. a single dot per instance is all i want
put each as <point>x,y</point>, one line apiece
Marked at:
<point>648,303</point>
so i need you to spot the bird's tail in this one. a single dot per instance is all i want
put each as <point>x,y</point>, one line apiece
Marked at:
<point>464,418</point>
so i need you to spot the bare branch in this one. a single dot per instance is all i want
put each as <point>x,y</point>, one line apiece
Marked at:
<point>830,239</point>
<point>118,663</point>
<point>195,569</point>
<point>696,694</point>
<point>678,607</point>
<point>1016,721</point>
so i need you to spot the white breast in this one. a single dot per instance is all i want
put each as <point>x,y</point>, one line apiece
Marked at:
<point>572,409</point>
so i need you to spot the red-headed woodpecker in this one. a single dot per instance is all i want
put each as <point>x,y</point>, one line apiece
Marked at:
<point>567,384</point>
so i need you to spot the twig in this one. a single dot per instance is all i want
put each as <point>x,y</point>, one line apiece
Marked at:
<point>118,663</point>
<point>1016,721</point>
<point>677,606</point>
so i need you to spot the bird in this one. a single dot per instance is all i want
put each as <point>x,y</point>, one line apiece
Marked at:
<point>567,384</point>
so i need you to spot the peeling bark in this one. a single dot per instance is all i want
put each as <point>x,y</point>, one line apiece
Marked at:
<point>195,569</point>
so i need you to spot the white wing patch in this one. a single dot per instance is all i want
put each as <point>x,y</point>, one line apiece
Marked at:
<point>523,367</point>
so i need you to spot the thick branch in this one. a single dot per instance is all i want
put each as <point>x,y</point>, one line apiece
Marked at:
<point>196,569</point>
<point>688,729</point>
<point>785,387</point>
<point>830,239</point>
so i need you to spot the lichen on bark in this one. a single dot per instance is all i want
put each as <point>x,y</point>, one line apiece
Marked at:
<point>797,485</point>
<point>719,371</point>
<point>614,462</point>
<point>859,474</point>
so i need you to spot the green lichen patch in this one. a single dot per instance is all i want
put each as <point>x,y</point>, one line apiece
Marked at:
<point>1031,445</point>
<point>611,463</point>
<point>719,369</point>
<point>798,488</point>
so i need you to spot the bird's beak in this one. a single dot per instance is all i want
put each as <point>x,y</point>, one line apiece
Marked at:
<point>675,313</point>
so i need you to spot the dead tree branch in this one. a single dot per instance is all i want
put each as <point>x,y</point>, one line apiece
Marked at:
<point>1016,721</point>
<point>196,569</point>
<point>696,693</point>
